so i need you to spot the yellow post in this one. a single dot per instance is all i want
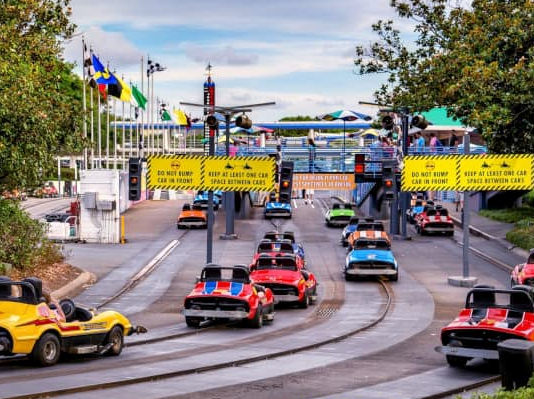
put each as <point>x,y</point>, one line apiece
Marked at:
<point>123,240</point>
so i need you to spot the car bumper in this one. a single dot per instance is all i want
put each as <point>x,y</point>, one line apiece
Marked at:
<point>216,314</point>
<point>338,222</point>
<point>433,229</point>
<point>371,272</point>
<point>468,352</point>
<point>286,214</point>
<point>191,224</point>
<point>286,298</point>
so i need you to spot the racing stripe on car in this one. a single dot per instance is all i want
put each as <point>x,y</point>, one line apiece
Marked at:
<point>236,288</point>
<point>209,287</point>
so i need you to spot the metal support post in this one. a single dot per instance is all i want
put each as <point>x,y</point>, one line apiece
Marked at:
<point>404,195</point>
<point>211,216</point>
<point>465,280</point>
<point>229,201</point>
<point>465,224</point>
<point>394,210</point>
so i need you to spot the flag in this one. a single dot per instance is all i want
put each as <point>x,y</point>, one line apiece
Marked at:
<point>120,90</point>
<point>181,117</point>
<point>165,116</point>
<point>102,75</point>
<point>102,90</point>
<point>138,97</point>
<point>188,126</point>
<point>89,69</point>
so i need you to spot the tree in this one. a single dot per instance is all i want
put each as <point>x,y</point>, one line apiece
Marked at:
<point>476,61</point>
<point>40,104</point>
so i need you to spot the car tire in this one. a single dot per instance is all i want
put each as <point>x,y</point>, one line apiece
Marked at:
<point>457,361</point>
<point>116,339</point>
<point>257,321</point>
<point>450,233</point>
<point>270,312</point>
<point>46,350</point>
<point>305,301</point>
<point>344,243</point>
<point>192,322</point>
<point>394,278</point>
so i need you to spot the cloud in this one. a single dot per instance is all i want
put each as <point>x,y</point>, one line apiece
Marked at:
<point>223,56</point>
<point>112,47</point>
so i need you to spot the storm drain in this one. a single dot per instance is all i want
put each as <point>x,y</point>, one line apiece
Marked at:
<point>325,311</point>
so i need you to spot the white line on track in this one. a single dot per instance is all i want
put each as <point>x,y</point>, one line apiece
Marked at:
<point>295,203</point>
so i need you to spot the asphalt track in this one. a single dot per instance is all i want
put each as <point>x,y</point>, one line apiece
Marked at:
<point>383,359</point>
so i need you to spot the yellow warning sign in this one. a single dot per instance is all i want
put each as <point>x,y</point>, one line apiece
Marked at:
<point>174,172</point>
<point>199,172</point>
<point>495,172</point>
<point>323,181</point>
<point>480,172</point>
<point>239,173</point>
<point>421,173</point>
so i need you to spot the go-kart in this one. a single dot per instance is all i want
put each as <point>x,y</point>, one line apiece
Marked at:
<point>371,257</point>
<point>30,326</point>
<point>192,216</point>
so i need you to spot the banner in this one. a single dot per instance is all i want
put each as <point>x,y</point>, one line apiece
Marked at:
<point>323,181</point>
<point>479,172</point>
<point>201,172</point>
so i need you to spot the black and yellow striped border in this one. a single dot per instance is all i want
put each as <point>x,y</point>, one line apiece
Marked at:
<point>223,187</point>
<point>458,159</point>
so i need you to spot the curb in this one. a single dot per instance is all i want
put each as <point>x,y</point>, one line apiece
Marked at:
<point>74,286</point>
<point>479,233</point>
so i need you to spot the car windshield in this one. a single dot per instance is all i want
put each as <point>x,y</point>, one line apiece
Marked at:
<point>371,244</point>
<point>230,274</point>
<point>348,206</point>
<point>276,263</point>
<point>370,226</point>
<point>514,300</point>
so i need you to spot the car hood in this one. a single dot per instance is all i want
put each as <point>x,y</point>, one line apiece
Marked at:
<point>363,255</point>
<point>188,214</point>
<point>276,276</point>
<point>341,212</point>
<point>222,288</point>
<point>278,205</point>
<point>495,319</point>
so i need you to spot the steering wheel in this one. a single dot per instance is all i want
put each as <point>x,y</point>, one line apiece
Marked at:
<point>68,307</point>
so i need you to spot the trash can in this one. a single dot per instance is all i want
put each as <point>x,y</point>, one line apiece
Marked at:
<point>515,362</point>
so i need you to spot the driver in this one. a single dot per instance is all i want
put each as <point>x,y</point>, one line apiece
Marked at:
<point>54,305</point>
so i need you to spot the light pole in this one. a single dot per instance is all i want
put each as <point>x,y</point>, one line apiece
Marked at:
<point>228,112</point>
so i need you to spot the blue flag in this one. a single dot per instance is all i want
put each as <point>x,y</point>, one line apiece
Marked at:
<point>102,75</point>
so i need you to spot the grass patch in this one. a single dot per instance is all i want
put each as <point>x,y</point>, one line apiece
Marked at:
<point>509,215</point>
<point>522,235</point>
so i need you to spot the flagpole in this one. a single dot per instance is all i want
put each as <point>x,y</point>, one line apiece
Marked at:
<point>153,116</point>
<point>131,132</point>
<point>123,138</point>
<point>158,121</point>
<point>107,131</point>
<point>92,129</point>
<point>140,132</point>
<point>84,100</point>
<point>114,134</point>
<point>99,133</point>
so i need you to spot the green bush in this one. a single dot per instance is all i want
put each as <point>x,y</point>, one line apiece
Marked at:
<point>23,243</point>
<point>521,393</point>
<point>522,237</point>
<point>528,198</point>
<point>509,215</point>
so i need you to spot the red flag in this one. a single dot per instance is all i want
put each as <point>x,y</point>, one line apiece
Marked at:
<point>102,90</point>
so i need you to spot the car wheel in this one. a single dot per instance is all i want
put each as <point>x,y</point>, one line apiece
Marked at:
<point>305,301</point>
<point>344,243</point>
<point>116,339</point>
<point>450,233</point>
<point>456,361</point>
<point>257,321</point>
<point>394,278</point>
<point>192,322</point>
<point>47,350</point>
<point>270,313</point>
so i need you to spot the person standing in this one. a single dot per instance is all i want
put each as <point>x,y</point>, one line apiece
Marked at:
<point>309,195</point>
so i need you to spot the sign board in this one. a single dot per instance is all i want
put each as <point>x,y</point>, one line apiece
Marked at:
<point>174,172</point>
<point>479,172</point>
<point>323,181</point>
<point>199,172</point>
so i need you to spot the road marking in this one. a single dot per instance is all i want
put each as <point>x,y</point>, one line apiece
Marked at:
<point>295,203</point>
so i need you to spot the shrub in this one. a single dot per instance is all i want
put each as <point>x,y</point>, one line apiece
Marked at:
<point>528,198</point>
<point>22,240</point>
<point>509,215</point>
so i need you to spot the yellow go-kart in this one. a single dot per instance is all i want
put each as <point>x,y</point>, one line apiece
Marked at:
<point>28,325</point>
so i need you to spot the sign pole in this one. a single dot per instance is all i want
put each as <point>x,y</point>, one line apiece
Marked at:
<point>404,195</point>
<point>465,219</point>
<point>229,201</point>
<point>209,251</point>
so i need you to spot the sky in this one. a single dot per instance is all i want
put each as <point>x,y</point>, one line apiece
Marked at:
<point>298,53</point>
